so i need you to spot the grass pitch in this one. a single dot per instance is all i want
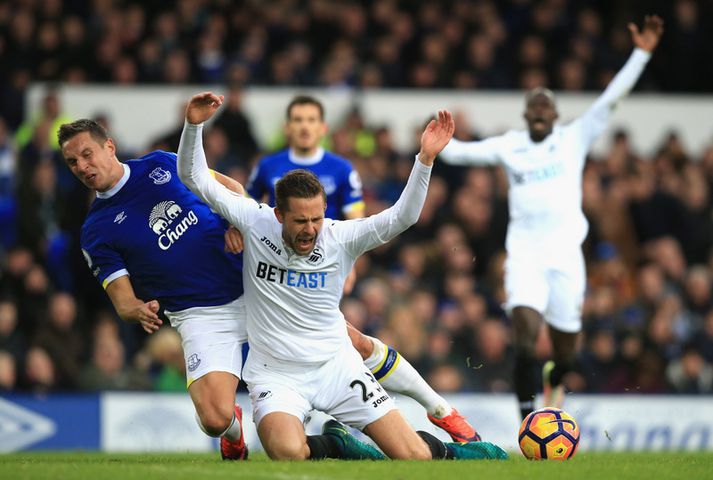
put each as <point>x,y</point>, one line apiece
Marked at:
<point>592,466</point>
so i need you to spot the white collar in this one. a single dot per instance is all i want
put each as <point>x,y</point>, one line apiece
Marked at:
<point>122,181</point>
<point>311,160</point>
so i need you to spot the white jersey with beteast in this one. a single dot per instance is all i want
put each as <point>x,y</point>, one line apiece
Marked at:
<point>545,192</point>
<point>292,300</point>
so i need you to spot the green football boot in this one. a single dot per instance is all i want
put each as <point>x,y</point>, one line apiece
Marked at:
<point>352,448</point>
<point>476,451</point>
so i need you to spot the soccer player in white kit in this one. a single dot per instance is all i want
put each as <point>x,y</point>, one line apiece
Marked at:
<point>544,269</point>
<point>296,262</point>
<point>305,128</point>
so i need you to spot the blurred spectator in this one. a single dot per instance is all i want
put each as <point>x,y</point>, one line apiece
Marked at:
<point>39,375</point>
<point>12,340</point>
<point>236,126</point>
<point>60,337</point>
<point>690,373</point>
<point>493,364</point>
<point>50,115</point>
<point>108,371</point>
<point>164,348</point>
<point>8,372</point>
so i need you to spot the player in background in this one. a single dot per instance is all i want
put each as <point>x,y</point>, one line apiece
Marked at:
<point>147,236</point>
<point>305,128</point>
<point>544,271</point>
<point>296,262</point>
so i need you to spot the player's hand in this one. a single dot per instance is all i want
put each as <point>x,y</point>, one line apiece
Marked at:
<point>147,315</point>
<point>202,106</point>
<point>436,136</point>
<point>233,240</point>
<point>649,36</point>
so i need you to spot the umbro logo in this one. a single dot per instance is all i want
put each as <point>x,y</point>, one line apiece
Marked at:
<point>120,217</point>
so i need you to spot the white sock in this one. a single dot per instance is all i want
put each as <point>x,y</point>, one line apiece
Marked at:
<point>234,430</point>
<point>397,375</point>
<point>232,433</point>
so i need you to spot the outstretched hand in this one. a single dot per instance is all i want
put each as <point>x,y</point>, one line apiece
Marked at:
<point>649,36</point>
<point>202,106</point>
<point>436,136</point>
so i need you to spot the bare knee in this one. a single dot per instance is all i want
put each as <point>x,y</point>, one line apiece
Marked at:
<point>421,451</point>
<point>416,450</point>
<point>287,449</point>
<point>215,418</point>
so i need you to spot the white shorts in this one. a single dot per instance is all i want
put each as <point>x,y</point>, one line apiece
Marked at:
<point>212,338</point>
<point>342,387</point>
<point>556,291</point>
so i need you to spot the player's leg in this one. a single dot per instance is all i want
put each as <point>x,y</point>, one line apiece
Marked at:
<point>279,393</point>
<point>564,350</point>
<point>526,326</point>
<point>365,405</point>
<point>564,322</point>
<point>283,437</point>
<point>397,375</point>
<point>399,441</point>
<point>217,413</point>
<point>212,339</point>
<point>527,293</point>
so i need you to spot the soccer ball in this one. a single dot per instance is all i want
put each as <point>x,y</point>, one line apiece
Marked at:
<point>549,434</point>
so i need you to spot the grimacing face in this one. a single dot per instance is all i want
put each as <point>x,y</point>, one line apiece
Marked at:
<point>302,222</point>
<point>305,128</point>
<point>94,164</point>
<point>540,114</point>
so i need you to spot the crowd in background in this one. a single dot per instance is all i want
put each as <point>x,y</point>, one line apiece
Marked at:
<point>435,293</point>
<point>467,44</point>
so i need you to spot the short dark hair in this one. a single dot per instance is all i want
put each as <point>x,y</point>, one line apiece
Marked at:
<point>297,184</point>
<point>69,130</point>
<point>305,100</point>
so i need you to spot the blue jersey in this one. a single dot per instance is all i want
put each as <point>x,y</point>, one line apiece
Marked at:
<point>341,182</point>
<point>153,228</point>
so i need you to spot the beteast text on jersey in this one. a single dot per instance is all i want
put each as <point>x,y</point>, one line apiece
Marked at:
<point>291,278</point>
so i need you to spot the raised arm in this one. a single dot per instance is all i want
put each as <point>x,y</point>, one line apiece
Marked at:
<point>645,42</point>
<point>193,168</point>
<point>361,235</point>
<point>229,183</point>
<point>484,152</point>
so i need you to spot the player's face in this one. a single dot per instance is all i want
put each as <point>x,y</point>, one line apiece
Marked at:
<point>302,222</point>
<point>94,164</point>
<point>305,128</point>
<point>540,115</point>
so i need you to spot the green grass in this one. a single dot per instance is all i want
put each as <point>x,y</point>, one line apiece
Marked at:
<point>590,466</point>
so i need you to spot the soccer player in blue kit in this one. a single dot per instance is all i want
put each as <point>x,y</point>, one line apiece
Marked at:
<point>305,128</point>
<point>147,236</point>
